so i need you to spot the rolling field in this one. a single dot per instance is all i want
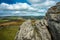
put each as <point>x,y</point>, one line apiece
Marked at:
<point>8,33</point>
<point>8,30</point>
<point>9,26</point>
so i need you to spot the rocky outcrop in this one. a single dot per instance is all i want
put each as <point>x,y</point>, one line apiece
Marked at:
<point>25,32</point>
<point>53,20</point>
<point>33,32</point>
<point>45,29</point>
<point>41,26</point>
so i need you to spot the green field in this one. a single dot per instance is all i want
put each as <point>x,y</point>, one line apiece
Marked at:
<point>2,21</point>
<point>8,33</point>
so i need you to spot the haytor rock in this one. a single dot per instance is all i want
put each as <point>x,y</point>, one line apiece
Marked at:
<point>42,31</point>
<point>25,32</point>
<point>53,20</point>
<point>28,31</point>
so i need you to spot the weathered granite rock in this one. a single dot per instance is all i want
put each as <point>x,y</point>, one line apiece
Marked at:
<point>33,32</point>
<point>41,26</point>
<point>53,20</point>
<point>25,32</point>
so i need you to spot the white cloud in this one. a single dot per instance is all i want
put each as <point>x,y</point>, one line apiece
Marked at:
<point>43,7</point>
<point>34,1</point>
<point>49,3</point>
<point>21,9</point>
<point>17,6</point>
<point>46,3</point>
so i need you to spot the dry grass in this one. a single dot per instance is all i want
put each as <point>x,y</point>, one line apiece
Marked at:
<point>19,22</point>
<point>9,29</point>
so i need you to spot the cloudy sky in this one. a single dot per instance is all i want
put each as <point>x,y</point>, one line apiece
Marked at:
<point>25,7</point>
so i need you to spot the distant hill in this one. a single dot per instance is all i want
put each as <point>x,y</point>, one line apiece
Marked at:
<point>21,17</point>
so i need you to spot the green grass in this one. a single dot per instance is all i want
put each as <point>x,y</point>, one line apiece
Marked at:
<point>2,21</point>
<point>8,33</point>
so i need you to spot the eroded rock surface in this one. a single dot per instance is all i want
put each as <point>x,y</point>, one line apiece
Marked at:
<point>41,27</point>
<point>25,32</point>
<point>53,19</point>
<point>33,32</point>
